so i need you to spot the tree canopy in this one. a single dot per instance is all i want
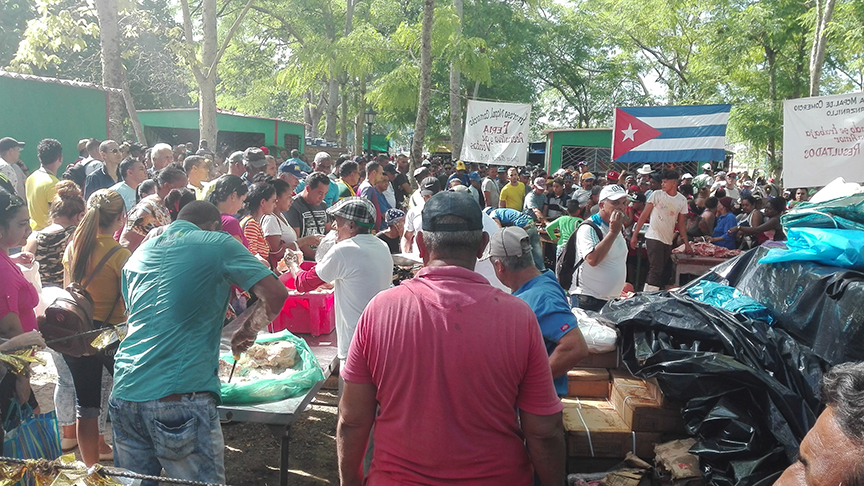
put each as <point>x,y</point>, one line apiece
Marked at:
<point>329,61</point>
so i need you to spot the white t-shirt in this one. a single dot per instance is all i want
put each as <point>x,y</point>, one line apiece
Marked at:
<point>390,195</point>
<point>606,280</point>
<point>358,268</point>
<point>493,189</point>
<point>484,266</point>
<point>665,215</point>
<point>415,200</point>
<point>272,225</point>
<point>413,218</point>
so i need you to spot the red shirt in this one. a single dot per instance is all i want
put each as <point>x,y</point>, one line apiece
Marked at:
<point>17,295</point>
<point>452,359</point>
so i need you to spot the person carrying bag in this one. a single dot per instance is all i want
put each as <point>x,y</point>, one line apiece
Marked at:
<point>96,260</point>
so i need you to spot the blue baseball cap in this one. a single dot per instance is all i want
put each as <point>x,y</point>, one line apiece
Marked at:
<point>475,176</point>
<point>292,168</point>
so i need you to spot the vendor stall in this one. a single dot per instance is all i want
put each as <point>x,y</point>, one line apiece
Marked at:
<point>280,415</point>
<point>693,265</point>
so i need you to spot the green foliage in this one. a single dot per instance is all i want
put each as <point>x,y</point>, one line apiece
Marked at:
<point>574,60</point>
<point>63,41</point>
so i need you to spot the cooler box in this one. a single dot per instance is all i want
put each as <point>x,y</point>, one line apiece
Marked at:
<point>310,313</point>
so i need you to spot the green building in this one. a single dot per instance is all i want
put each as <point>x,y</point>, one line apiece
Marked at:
<point>236,130</point>
<point>35,108</point>
<point>566,147</point>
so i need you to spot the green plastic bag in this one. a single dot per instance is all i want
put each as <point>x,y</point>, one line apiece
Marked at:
<point>308,372</point>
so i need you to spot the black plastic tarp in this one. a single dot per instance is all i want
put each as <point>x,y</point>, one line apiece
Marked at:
<point>750,391</point>
<point>820,306</point>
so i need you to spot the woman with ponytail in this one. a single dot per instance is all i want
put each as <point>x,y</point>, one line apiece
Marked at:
<point>91,243</point>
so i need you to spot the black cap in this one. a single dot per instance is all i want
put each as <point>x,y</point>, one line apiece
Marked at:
<point>390,169</point>
<point>255,157</point>
<point>450,203</point>
<point>430,186</point>
<point>7,143</point>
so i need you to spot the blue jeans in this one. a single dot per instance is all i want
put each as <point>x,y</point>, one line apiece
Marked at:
<point>587,302</point>
<point>183,437</point>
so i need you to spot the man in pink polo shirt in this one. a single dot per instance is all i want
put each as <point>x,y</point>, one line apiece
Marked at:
<point>457,370</point>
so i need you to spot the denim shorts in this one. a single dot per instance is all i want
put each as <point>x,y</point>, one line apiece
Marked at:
<point>183,437</point>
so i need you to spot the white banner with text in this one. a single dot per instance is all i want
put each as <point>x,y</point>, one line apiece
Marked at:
<point>822,140</point>
<point>496,133</point>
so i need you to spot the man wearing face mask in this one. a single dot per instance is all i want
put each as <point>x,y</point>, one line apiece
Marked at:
<point>359,266</point>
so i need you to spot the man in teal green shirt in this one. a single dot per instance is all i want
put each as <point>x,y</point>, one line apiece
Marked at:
<point>566,225</point>
<point>166,388</point>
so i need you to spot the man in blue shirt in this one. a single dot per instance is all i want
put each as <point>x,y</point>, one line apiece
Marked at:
<point>104,176</point>
<point>722,235</point>
<point>510,253</point>
<point>166,388</point>
<point>510,217</point>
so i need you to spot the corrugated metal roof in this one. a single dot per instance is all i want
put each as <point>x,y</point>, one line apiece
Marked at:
<point>65,82</point>
<point>225,112</point>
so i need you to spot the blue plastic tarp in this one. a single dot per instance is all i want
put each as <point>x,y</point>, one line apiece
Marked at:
<point>836,247</point>
<point>730,299</point>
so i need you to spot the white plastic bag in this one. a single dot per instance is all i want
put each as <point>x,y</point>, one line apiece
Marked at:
<point>600,334</point>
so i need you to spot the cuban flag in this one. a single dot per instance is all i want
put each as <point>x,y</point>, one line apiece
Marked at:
<point>670,133</point>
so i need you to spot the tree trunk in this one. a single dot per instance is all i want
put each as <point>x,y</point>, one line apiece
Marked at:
<point>332,107</point>
<point>455,91</point>
<point>771,57</point>
<point>307,112</point>
<point>207,83</point>
<point>349,16</point>
<point>343,117</point>
<point>114,74</point>
<point>820,43</point>
<point>360,119</point>
<point>133,115</point>
<point>425,84</point>
<point>112,68</point>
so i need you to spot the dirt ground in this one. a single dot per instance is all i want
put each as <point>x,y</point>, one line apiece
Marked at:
<point>252,452</point>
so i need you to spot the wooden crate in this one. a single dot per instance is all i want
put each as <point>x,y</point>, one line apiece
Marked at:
<point>594,429</point>
<point>588,383</point>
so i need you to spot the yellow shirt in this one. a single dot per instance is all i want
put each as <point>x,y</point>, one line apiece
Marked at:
<point>513,196</point>
<point>40,192</point>
<point>106,285</point>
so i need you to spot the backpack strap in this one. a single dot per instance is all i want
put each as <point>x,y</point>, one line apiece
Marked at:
<point>599,234</point>
<point>89,278</point>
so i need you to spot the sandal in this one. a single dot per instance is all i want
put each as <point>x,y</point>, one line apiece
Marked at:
<point>68,444</point>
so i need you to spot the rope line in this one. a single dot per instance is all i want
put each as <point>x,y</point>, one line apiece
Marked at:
<point>106,471</point>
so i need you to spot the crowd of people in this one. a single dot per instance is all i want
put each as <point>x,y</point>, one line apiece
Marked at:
<point>164,238</point>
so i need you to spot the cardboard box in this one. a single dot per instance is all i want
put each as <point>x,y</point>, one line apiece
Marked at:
<point>588,383</point>
<point>610,360</point>
<point>594,429</point>
<point>642,413</point>
<point>637,403</point>
<point>676,465</point>
<point>624,378</point>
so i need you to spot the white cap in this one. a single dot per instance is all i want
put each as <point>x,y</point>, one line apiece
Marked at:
<point>613,192</point>
<point>645,170</point>
<point>706,166</point>
<point>687,176</point>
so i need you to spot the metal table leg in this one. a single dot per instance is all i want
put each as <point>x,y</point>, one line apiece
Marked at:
<point>283,433</point>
